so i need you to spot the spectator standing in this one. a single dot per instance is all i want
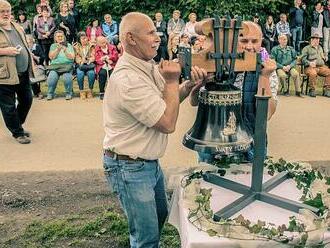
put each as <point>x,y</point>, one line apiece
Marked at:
<point>65,22</point>
<point>75,12</point>
<point>175,25</point>
<point>326,30</point>
<point>34,22</point>
<point>24,22</point>
<point>62,56</point>
<point>283,27</point>
<point>317,20</point>
<point>285,57</point>
<point>161,28</point>
<point>110,29</point>
<point>269,33</point>
<point>190,26</point>
<point>256,19</point>
<point>85,58</point>
<point>45,31</point>
<point>297,15</point>
<point>314,61</point>
<point>93,31</point>
<point>15,69</point>
<point>106,56</point>
<point>46,3</point>
<point>38,58</point>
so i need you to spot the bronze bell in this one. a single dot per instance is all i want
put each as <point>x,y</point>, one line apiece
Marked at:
<point>219,128</point>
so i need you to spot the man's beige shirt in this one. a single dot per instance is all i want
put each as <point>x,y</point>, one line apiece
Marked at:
<point>133,103</point>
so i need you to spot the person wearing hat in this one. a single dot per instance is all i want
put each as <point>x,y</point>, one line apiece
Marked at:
<point>15,70</point>
<point>313,59</point>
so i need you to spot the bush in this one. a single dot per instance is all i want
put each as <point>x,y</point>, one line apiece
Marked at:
<point>205,8</point>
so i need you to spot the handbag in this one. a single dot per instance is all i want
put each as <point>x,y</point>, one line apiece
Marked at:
<point>86,67</point>
<point>39,75</point>
<point>60,68</point>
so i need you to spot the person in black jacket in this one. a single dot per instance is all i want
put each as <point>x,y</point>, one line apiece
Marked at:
<point>269,33</point>
<point>76,13</point>
<point>297,16</point>
<point>161,27</point>
<point>326,29</point>
<point>66,22</point>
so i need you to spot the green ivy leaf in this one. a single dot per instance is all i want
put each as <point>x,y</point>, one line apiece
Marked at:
<point>211,232</point>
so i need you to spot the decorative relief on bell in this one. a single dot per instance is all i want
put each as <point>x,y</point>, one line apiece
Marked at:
<point>220,98</point>
<point>230,128</point>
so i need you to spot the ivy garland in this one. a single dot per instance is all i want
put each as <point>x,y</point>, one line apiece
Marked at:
<point>261,230</point>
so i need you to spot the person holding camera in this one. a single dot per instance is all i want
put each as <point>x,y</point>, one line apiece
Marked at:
<point>140,109</point>
<point>16,67</point>
<point>85,58</point>
<point>62,56</point>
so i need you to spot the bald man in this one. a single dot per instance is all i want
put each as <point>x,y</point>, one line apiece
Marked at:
<point>140,109</point>
<point>15,71</point>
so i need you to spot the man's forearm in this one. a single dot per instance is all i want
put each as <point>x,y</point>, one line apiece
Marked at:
<point>171,98</point>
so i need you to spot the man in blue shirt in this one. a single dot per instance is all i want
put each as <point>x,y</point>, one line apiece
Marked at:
<point>110,29</point>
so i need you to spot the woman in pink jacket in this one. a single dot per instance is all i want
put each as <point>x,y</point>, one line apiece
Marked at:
<point>93,31</point>
<point>106,56</point>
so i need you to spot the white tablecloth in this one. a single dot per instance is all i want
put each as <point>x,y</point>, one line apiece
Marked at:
<point>192,238</point>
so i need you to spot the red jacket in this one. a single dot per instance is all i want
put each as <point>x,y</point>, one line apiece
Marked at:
<point>112,53</point>
<point>97,33</point>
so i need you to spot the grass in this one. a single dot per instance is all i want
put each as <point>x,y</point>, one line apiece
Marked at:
<point>98,227</point>
<point>60,91</point>
<point>318,89</point>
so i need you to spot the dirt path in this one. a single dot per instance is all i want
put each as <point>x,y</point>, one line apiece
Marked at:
<point>53,192</point>
<point>68,135</point>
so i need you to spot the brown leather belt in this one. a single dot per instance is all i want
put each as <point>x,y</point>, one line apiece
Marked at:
<point>121,157</point>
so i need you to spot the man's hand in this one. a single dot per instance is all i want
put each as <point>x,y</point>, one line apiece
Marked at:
<point>269,66</point>
<point>286,68</point>
<point>170,71</point>
<point>198,76</point>
<point>10,51</point>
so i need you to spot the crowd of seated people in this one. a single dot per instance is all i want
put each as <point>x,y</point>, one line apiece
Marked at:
<point>90,53</point>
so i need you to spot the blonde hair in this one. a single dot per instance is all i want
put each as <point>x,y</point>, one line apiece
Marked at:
<point>192,13</point>
<point>170,45</point>
<point>62,3</point>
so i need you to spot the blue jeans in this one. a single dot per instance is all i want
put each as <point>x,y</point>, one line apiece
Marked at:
<point>52,80</point>
<point>80,78</point>
<point>296,37</point>
<point>140,188</point>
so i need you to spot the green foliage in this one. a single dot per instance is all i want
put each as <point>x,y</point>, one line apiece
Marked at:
<point>206,8</point>
<point>75,229</point>
<point>317,202</point>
